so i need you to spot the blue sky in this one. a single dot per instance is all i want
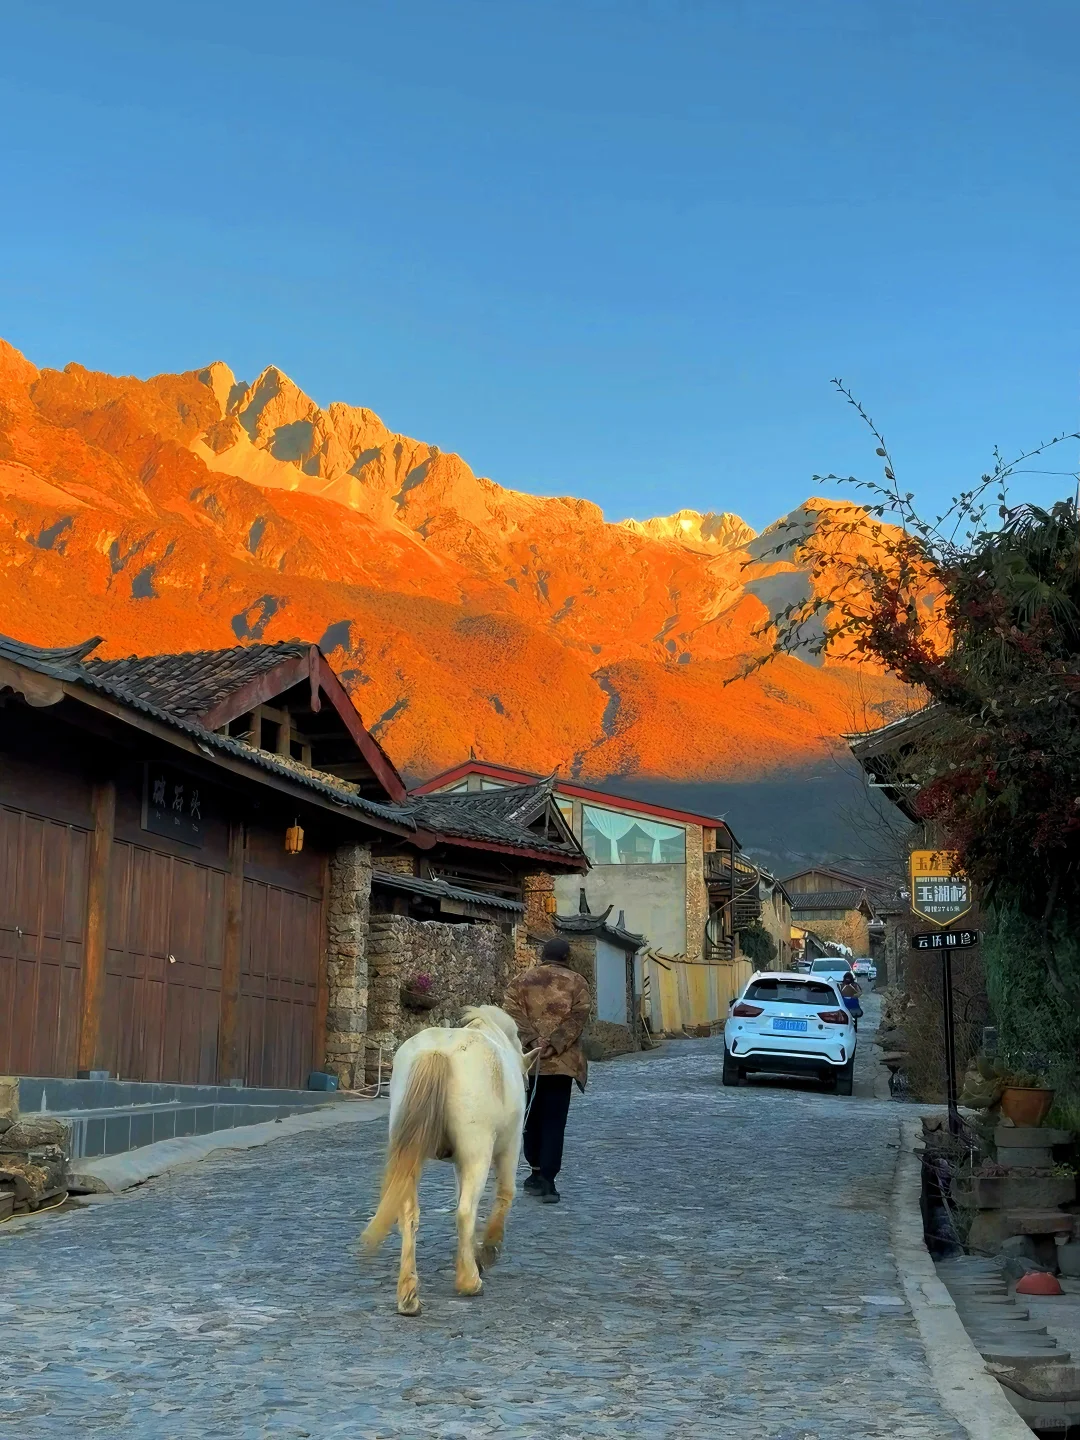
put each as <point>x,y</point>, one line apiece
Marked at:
<point>614,250</point>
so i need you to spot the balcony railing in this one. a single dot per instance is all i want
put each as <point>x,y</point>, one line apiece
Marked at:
<point>733,883</point>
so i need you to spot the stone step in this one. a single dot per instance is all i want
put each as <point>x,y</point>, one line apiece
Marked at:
<point>115,1130</point>
<point>1027,1192</point>
<point>1026,1137</point>
<point>1024,1221</point>
<point>52,1094</point>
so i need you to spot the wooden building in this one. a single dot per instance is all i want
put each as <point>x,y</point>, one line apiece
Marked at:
<point>187,844</point>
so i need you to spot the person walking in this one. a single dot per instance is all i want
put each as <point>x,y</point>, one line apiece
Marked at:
<point>550,1005</point>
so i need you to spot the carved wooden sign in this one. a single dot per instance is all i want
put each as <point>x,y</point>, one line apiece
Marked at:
<point>173,805</point>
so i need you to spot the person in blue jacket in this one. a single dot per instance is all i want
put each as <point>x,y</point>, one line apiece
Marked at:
<point>852,996</point>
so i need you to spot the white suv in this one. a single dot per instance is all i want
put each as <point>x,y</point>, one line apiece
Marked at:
<point>790,1025</point>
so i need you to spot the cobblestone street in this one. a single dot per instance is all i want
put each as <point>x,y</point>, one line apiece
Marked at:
<point>719,1267</point>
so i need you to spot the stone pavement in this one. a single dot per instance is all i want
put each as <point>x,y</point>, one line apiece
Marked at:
<point>719,1268</point>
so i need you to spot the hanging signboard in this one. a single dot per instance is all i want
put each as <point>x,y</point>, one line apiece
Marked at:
<point>939,893</point>
<point>172,805</point>
<point>944,939</point>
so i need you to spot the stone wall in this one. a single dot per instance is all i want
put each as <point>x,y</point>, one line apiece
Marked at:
<point>776,919</point>
<point>697,895</point>
<point>538,894</point>
<point>468,965</point>
<point>850,927</point>
<point>397,864</point>
<point>347,963</point>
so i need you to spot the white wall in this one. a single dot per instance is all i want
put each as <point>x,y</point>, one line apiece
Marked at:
<point>611,983</point>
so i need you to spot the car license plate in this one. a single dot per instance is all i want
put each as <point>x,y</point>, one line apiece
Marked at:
<point>798,1025</point>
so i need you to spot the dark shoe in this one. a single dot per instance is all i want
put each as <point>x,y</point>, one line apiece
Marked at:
<point>548,1194</point>
<point>534,1184</point>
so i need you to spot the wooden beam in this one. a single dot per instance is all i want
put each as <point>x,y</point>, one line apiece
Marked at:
<point>240,769</point>
<point>380,763</point>
<point>37,690</point>
<point>228,1016</point>
<point>284,743</point>
<point>322,985</point>
<point>258,691</point>
<point>97,927</point>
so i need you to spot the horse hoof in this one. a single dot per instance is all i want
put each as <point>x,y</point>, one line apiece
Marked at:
<point>487,1255</point>
<point>469,1288</point>
<point>409,1305</point>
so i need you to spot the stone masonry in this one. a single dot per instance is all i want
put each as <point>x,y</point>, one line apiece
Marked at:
<point>467,964</point>
<point>538,893</point>
<point>697,895</point>
<point>347,963</point>
<point>850,928</point>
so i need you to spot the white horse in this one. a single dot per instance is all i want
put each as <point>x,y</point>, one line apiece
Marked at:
<point>454,1095</point>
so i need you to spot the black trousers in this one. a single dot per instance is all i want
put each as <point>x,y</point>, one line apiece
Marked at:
<point>546,1124</point>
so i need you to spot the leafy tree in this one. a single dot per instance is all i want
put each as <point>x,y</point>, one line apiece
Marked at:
<point>979,612</point>
<point>758,945</point>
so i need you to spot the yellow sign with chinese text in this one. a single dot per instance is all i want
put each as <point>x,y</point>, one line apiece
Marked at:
<point>939,893</point>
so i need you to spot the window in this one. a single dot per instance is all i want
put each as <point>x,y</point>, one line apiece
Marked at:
<point>566,809</point>
<point>610,837</point>
<point>791,992</point>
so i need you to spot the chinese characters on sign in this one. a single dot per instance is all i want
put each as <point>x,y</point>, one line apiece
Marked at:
<point>945,940</point>
<point>172,805</point>
<point>938,893</point>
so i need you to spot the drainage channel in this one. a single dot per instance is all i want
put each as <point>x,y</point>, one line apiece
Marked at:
<point>1038,1376</point>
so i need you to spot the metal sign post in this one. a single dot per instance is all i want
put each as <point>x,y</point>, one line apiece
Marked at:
<point>940,895</point>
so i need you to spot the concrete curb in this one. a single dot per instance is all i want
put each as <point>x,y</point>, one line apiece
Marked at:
<point>112,1174</point>
<point>968,1391</point>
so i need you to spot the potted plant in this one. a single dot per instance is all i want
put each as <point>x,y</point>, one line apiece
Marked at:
<point>417,992</point>
<point>1025,1098</point>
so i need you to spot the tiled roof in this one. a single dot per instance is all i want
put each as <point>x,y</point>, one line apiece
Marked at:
<point>192,682</point>
<point>65,665</point>
<point>502,816</point>
<point>441,890</point>
<point>499,816</point>
<point>587,924</point>
<point>826,900</point>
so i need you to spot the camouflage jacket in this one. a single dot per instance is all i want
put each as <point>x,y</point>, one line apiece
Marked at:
<point>552,1004</point>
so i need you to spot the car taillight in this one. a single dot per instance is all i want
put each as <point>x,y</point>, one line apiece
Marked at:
<point>834,1017</point>
<point>745,1011</point>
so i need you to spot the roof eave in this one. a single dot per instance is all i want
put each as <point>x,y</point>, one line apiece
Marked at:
<point>193,745</point>
<point>547,857</point>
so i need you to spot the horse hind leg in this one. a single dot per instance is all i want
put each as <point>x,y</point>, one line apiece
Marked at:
<point>472,1173</point>
<point>505,1184</point>
<point>408,1285</point>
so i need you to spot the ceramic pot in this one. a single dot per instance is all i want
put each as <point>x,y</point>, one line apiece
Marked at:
<point>1024,1105</point>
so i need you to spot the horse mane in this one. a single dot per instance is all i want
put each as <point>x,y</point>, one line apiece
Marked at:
<point>475,1017</point>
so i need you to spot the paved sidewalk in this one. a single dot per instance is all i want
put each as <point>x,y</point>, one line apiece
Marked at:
<point>719,1268</point>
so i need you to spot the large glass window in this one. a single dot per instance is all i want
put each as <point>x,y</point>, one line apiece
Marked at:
<point>610,837</point>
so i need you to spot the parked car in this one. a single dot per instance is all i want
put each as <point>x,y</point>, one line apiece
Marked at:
<point>831,965</point>
<point>801,964</point>
<point>790,1024</point>
<point>865,969</point>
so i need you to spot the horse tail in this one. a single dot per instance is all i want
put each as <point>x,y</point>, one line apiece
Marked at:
<point>419,1134</point>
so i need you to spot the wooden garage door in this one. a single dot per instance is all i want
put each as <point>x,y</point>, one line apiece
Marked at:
<point>43,871</point>
<point>163,967</point>
<point>281,953</point>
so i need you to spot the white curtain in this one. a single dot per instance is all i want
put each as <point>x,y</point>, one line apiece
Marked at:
<point>614,827</point>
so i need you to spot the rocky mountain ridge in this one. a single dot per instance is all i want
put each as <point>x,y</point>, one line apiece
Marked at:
<point>196,510</point>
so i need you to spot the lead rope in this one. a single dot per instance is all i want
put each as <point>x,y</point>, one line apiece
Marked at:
<point>535,1078</point>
